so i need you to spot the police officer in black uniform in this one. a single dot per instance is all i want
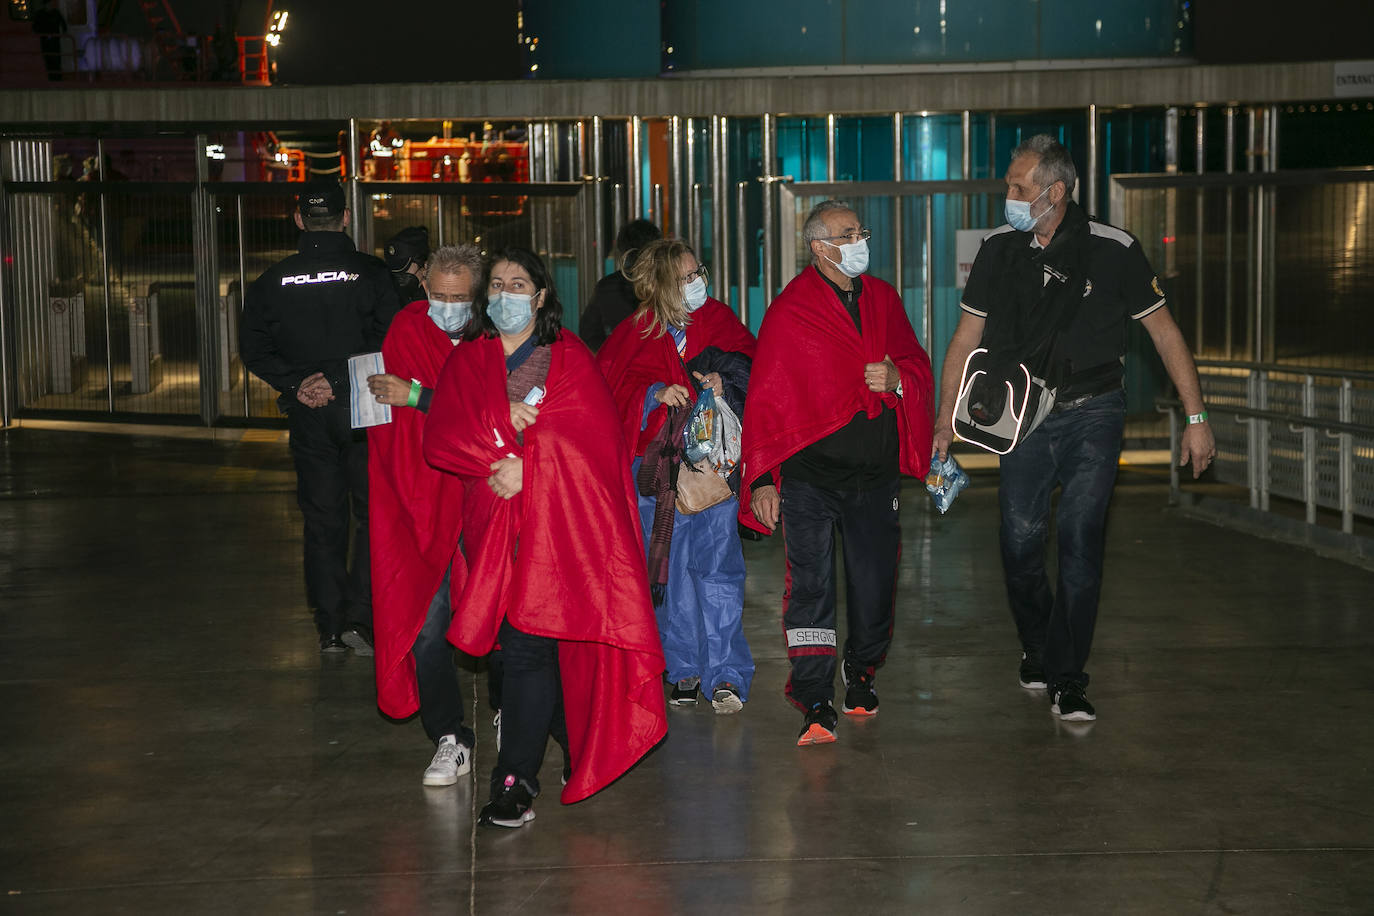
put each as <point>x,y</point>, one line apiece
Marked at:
<point>302,319</point>
<point>405,254</point>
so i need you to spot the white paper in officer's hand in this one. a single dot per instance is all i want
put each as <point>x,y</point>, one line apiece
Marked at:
<point>364,407</point>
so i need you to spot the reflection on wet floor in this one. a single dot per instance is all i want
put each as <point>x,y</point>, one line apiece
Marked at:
<point>175,743</point>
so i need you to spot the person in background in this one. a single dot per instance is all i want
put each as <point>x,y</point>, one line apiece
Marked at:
<point>302,320</point>
<point>679,342</point>
<point>841,404</point>
<point>556,570</point>
<point>416,517</point>
<point>405,255</point>
<point>1052,255</point>
<point>614,298</point>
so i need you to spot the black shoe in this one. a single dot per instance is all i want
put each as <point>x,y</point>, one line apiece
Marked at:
<point>509,806</point>
<point>819,725</point>
<point>1071,705</point>
<point>331,644</point>
<point>1032,672</point>
<point>859,697</point>
<point>359,639</point>
<point>685,692</point>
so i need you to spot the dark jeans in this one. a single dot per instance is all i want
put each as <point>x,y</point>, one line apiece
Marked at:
<point>1077,450</point>
<point>441,694</point>
<point>868,523</point>
<point>531,704</point>
<point>331,467</point>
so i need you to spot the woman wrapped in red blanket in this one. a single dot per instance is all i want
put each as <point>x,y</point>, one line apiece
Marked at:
<point>556,569</point>
<point>679,342</point>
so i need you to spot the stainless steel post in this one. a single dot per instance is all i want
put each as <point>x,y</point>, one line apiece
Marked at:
<point>675,193</point>
<point>696,218</point>
<point>1091,204</point>
<point>635,178</point>
<point>656,202</point>
<point>617,207</point>
<point>105,276</point>
<point>439,220</point>
<point>598,201</point>
<point>8,368</point>
<point>1230,232</point>
<point>770,254</point>
<point>354,190</point>
<point>243,291</point>
<point>206,278</point>
<point>1309,449</point>
<point>717,154</point>
<point>898,265</point>
<point>1347,459</point>
<point>830,139</point>
<point>966,162</point>
<point>742,250</point>
<point>1200,224</point>
<point>928,287</point>
<point>1271,222</point>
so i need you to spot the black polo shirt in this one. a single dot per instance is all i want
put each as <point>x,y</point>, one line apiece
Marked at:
<point>1121,285</point>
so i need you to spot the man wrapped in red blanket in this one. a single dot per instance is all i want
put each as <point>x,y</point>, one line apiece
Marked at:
<point>840,405</point>
<point>416,518</point>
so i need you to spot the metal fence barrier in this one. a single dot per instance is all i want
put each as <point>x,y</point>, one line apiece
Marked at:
<point>1301,435</point>
<point>123,298</point>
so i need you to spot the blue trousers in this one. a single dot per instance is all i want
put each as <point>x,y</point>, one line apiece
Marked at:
<point>701,620</point>
<point>1076,450</point>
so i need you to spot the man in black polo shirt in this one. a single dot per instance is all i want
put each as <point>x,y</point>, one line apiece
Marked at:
<point>1050,248</point>
<point>302,319</point>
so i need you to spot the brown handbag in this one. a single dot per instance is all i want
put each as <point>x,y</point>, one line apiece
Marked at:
<point>699,487</point>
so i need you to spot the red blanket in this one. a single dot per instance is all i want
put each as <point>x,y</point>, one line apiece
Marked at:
<point>632,362</point>
<point>808,378</point>
<point>578,574</point>
<point>414,514</point>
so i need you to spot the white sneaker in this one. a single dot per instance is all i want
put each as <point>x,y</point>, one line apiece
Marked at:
<point>451,760</point>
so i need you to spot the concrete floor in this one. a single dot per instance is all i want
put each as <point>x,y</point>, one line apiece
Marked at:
<point>173,742</point>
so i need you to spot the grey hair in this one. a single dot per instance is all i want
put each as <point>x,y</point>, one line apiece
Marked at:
<point>451,259</point>
<point>1055,162</point>
<point>814,227</point>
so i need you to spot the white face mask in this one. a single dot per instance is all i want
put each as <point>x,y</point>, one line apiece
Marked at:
<point>694,294</point>
<point>451,317</point>
<point>510,312</point>
<point>1019,213</point>
<point>853,257</point>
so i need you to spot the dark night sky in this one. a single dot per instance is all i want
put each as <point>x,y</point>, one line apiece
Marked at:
<point>370,41</point>
<point>373,41</point>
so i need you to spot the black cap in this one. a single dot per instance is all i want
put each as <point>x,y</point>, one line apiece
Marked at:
<point>322,198</point>
<point>410,245</point>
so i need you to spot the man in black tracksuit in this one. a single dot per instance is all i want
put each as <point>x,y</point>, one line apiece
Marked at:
<point>302,319</point>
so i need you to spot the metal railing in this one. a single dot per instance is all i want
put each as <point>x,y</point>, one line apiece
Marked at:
<point>1305,435</point>
<point>122,299</point>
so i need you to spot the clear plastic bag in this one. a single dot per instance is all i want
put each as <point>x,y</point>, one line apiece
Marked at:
<point>944,481</point>
<point>702,433</point>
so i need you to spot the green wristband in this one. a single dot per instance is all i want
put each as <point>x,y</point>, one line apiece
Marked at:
<point>1196,418</point>
<point>415,389</point>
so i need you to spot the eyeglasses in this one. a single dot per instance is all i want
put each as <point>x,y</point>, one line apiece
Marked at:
<point>702,271</point>
<point>858,235</point>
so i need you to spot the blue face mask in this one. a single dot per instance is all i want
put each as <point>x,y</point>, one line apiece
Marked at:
<point>451,317</point>
<point>694,294</point>
<point>1019,213</point>
<point>510,312</point>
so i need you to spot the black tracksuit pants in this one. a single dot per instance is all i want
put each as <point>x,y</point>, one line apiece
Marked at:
<point>867,522</point>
